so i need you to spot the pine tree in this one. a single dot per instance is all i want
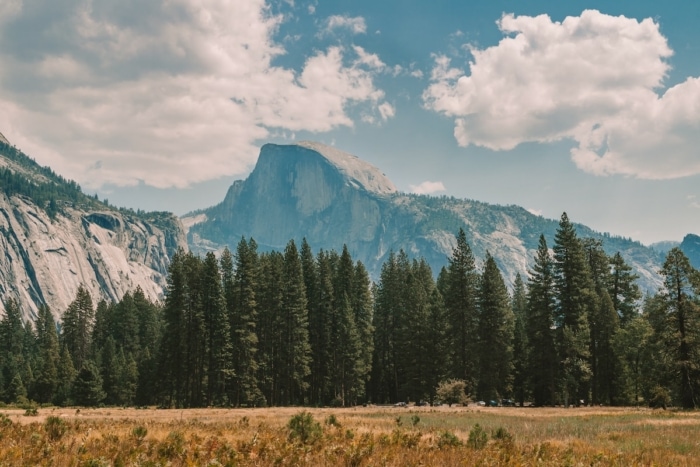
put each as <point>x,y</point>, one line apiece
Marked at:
<point>47,371</point>
<point>295,351</point>
<point>542,363</point>
<point>242,307</point>
<point>66,375</point>
<point>77,327</point>
<point>575,297</point>
<point>269,325</point>
<point>604,323</point>
<point>362,306</point>
<point>12,357</point>
<point>219,349</point>
<point>623,289</point>
<point>87,388</point>
<point>388,314</point>
<point>520,344</point>
<point>496,324</point>
<point>632,344</point>
<point>461,305</point>
<point>677,324</point>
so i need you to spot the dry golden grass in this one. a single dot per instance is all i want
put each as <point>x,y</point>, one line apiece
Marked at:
<point>362,436</point>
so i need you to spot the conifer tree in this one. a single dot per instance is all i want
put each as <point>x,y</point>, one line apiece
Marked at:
<point>677,324</point>
<point>242,307</point>
<point>603,324</point>
<point>77,327</point>
<point>66,373</point>
<point>575,297</point>
<point>269,326</point>
<point>463,318</point>
<point>12,357</point>
<point>623,289</point>
<point>520,344</point>
<point>542,363</point>
<point>47,371</point>
<point>388,314</point>
<point>87,388</point>
<point>362,307</point>
<point>496,324</point>
<point>218,347</point>
<point>295,351</point>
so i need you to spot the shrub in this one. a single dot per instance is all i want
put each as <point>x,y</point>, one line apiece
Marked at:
<point>55,428</point>
<point>477,437</point>
<point>415,420</point>
<point>502,434</point>
<point>304,428</point>
<point>452,391</point>
<point>332,420</point>
<point>139,433</point>
<point>448,439</point>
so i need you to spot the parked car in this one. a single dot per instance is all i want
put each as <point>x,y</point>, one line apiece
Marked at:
<point>507,403</point>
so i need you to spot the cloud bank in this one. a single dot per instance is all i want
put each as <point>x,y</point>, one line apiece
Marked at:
<point>427,187</point>
<point>595,79</point>
<point>169,92</point>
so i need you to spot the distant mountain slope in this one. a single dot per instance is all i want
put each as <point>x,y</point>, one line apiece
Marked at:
<point>54,238</point>
<point>691,247</point>
<point>298,191</point>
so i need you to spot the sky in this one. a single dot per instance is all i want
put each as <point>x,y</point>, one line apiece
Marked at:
<point>592,107</point>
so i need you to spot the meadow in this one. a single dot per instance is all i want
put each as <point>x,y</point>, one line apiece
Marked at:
<point>386,436</point>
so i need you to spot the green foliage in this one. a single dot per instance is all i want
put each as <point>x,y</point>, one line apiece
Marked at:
<point>55,428</point>
<point>478,438</point>
<point>139,433</point>
<point>303,428</point>
<point>452,392</point>
<point>332,420</point>
<point>448,439</point>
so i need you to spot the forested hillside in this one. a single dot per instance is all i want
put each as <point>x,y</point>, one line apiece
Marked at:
<point>298,328</point>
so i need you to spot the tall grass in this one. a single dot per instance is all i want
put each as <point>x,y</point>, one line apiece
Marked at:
<point>350,437</point>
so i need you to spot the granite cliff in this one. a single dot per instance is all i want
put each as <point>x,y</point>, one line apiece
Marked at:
<point>55,238</point>
<point>333,198</point>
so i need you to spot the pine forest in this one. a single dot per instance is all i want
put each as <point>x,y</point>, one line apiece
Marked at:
<point>299,328</point>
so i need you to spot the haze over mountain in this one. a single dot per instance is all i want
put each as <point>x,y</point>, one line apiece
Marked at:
<point>55,238</point>
<point>309,190</point>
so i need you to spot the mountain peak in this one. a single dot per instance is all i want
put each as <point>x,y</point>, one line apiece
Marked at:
<point>360,173</point>
<point>3,139</point>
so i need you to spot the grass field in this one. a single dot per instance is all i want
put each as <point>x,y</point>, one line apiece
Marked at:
<point>350,437</point>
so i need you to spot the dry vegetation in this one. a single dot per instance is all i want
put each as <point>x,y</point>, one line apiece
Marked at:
<point>350,437</point>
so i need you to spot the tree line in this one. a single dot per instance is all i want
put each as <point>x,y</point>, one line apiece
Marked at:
<point>298,328</point>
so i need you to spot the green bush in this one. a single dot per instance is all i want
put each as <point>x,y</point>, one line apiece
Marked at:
<point>55,428</point>
<point>477,437</point>
<point>302,427</point>
<point>448,439</point>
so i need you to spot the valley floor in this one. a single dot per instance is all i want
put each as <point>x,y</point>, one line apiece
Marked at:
<point>394,436</point>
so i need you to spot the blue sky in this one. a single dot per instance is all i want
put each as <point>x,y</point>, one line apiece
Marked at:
<point>587,107</point>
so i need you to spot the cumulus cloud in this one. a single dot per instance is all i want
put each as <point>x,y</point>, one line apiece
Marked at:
<point>354,24</point>
<point>427,188</point>
<point>166,92</point>
<point>595,79</point>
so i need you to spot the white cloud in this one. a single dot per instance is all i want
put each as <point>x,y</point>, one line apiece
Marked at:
<point>593,78</point>
<point>170,92</point>
<point>354,24</point>
<point>427,188</point>
<point>386,110</point>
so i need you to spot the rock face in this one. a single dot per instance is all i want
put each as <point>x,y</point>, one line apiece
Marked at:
<point>46,258</point>
<point>332,198</point>
<point>691,248</point>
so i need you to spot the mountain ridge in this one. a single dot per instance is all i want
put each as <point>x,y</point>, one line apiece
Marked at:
<point>294,194</point>
<point>56,238</point>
